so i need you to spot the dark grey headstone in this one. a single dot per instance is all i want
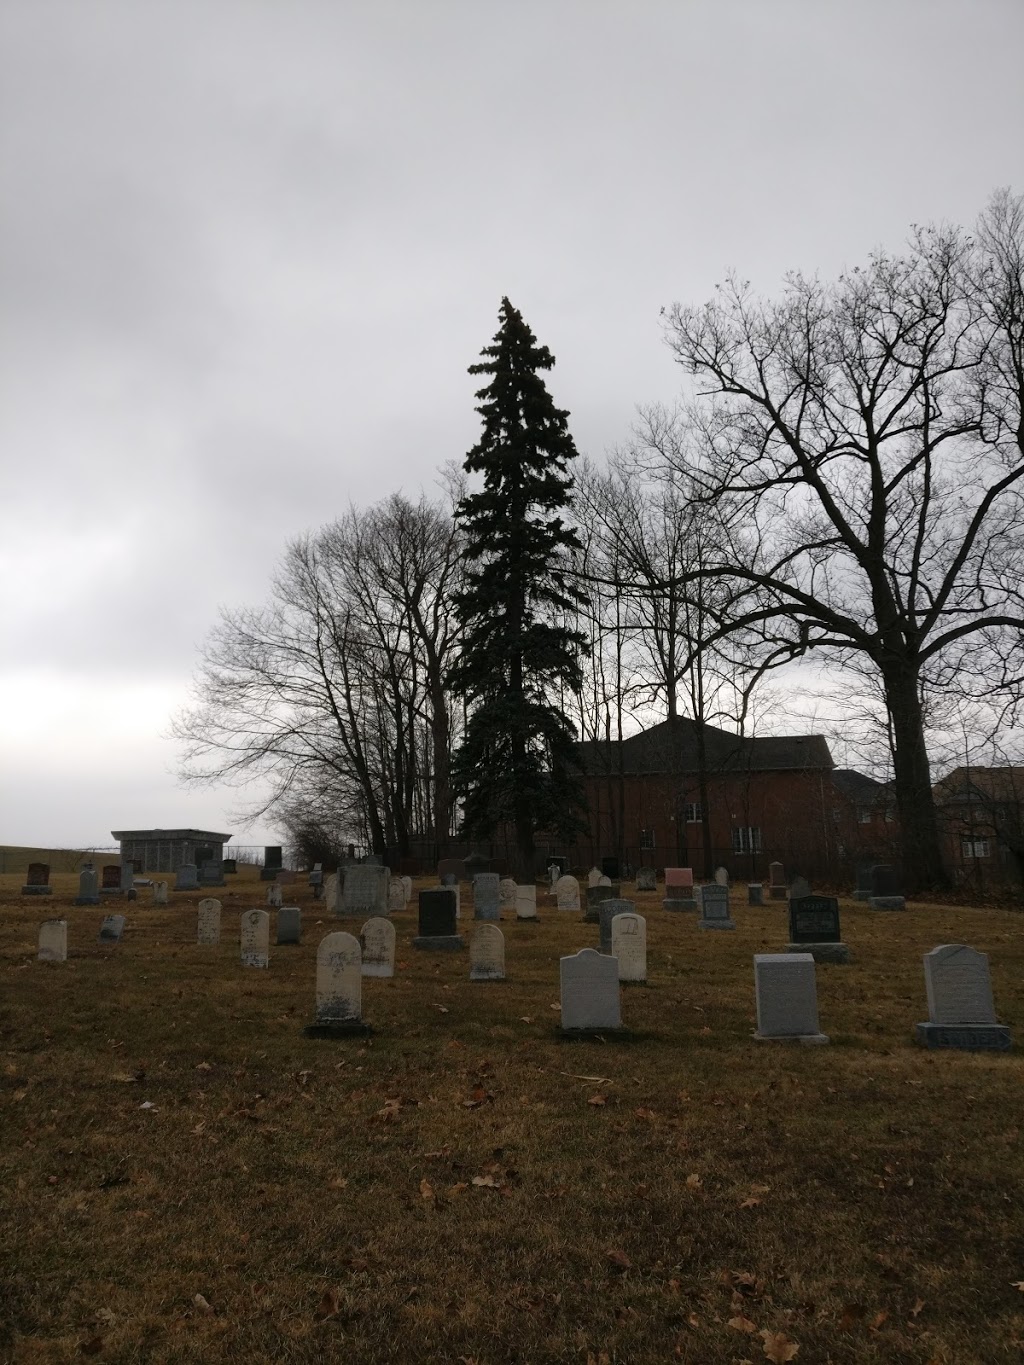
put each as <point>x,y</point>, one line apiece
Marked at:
<point>607,910</point>
<point>187,878</point>
<point>112,929</point>
<point>111,877</point>
<point>289,924</point>
<point>884,881</point>
<point>486,896</point>
<point>88,887</point>
<point>799,887</point>
<point>595,895</point>
<point>437,922</point>
<point>646,879</point>
<point>713,899</point>
<point>755,893</point>
<point>211,872</point>
<point>862,890</point>
<point>814,919</point>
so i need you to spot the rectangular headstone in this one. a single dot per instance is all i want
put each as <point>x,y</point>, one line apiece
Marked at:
<point>37,880</point>
<point>646,879</point>
<point>159,893</point>
<point>596,896</point>
<point>377,942</point>
<point>275,895</point>
<point>629,946</point>
<point>437,924</point>
<point>407,887</point>
<point>367,890</point>
<point>255,938</point>
<point>487,954</point>
<point>678,877</point>
<point>607,910</point>
<point>961,1011</point>
<point>885,889</point>
<point>111,876</point>
<point>208,924</point>
<point>862,890</point>
<point>713,900</point>
<point>112,929</point>
<point>814,919</point>
<point>755,893</point>
<point>486,896</point>
<point>289,924</point>
<point>332,893</point>
<point>127,875</point>
<point>452,867</point>
<point>526,901</point>
<point>211,872</point>
<point>777,889</point>
<point>787,997</point>
<point>53,940</point>
<point>589,983</point>
<point>187,878</point>
<point>88,886</point>
<point>506,894</point>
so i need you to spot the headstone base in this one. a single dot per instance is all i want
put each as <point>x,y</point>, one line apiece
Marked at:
<point>569,1033</point>
<point>809,1038</point>
<point>377,969</point>
<point>351,1028</point>
<point>37,890</point>
<point>860,895</point>
<point>116,891</point>
<point>716,924</point>
<point>86,900</point>
<point>529,919</point>
<point>678,903</point>
<point>821,952</point>
<point>440,943</point>
<point>474,975</point>
<point>887,902</point>
<point>969,1037</point>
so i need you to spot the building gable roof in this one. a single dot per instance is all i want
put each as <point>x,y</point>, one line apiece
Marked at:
<point>672,747</point>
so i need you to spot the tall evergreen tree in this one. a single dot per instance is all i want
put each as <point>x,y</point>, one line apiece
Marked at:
<point>516,764</point>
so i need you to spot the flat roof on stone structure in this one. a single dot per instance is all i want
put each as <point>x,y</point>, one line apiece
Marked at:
<point>170,834</point>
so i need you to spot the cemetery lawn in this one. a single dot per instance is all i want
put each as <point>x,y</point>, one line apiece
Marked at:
<point>186,1177</point>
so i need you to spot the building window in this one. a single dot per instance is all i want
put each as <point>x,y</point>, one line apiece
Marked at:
<point>972,847</point>
<point>746,839</point>
<point>694,813</point>
<point>647,838</point>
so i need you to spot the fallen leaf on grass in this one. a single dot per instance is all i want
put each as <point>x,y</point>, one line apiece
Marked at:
<point>877,1321</point>
<point>453,1190</point>
<point>778,1347</point>
<point>390,1112</point>
<point>646,1114</point>
<point>619,1259</point>
<point>147,1104</point>
<point>485,1182</point>
<point>598,1099</point>
<point>1017,1284</point>
<point>202,1303</point>
<point>204,1066</point>
<point>742,1324</point>
<point>328,1306</point>
<point>750,1203</point>
<point>917,1308</point>
<point>555,1007</point>
<point>526,1018</point>
<point>693,1181</point>
<point>598,1080</point>
<point>442,1009</point>
<point>426,1189</point>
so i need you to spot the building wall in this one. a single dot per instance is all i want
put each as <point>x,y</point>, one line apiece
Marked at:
<point>166,855</point>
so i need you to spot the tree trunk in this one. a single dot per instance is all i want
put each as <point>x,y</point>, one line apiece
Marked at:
<point>923,863</point>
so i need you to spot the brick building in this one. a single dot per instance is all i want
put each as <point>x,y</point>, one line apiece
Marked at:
<point>767,799</point>
<point>981,814</point>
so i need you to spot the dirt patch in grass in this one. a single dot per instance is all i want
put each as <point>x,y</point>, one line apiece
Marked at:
<point>186,1178</point>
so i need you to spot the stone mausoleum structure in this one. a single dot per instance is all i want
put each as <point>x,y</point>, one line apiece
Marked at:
<point>164,850</point>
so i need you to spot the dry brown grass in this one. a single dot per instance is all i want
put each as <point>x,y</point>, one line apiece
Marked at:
<point>864,1199</point>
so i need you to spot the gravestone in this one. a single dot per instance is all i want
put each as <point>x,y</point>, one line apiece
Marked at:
<point>377,943</point>
<point>437,927</point>
<point>451,867</point>
<point>316,880</point>
<point>339,988</point>
<point>596,895</point>
<point>755,893</point>
<point>487,954</point>
<point>159,893</point>
<point>255,938</point>
<point>862,891</point>
<point>407,888</point>
<point>275,895</point>
<point>607,911</point>
<point>289,924</point>
<point>367,887</point>
<point>88,886</point>
<point>449,879</point>
<point>554,872</point>
<point>567,893</point>
<point>208,926</point>
<point>230,867</point>
<point>679,889</point>
<point>629,945</point>
<point>186,878</point>
<point>589,989</point>
<point>332,893</point>
<point>111,877</point>
<point>787,998</point>
<point>722,876</point>
<point>37,880</point>
<point>713,900</point>
<point>486,896</point>
<point>506,894</point>
<point>961,1012</point>
<point>526,901</point>
<point>604,880</point>
<point>593,876</point>
<point>273,859</point>
<point>128,878</point>
<point>799,887</point>
<point>646,879</point>
<point>53,941</point>
<point>814,928</point>
<point>372,860</point>
<point>885,889</point>
<point>777,889</point>
<point>112,929</point>
<point>211,872</point>
<point>396,896</point>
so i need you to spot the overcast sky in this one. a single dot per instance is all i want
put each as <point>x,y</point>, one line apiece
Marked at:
<point>248,251</point>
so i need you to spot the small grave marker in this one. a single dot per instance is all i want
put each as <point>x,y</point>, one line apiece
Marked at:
<point>88,886</point>
<point>526,901</point>
<point>187,878</point>
<point>722,876</point>
<point>255,938</point>
<point>787,998</point>
<point>596,896</point>
<point>646,879</point>
<point>112,929</point>
<point>275,895</point>
<point>589,983</point>
<point>607,911</point>
<point>593,876</point>
<point>159,893</point>
<point>885,889</point>
<point>755,893</point>
<point>367,890</point>
<point>487,954</point>
<point>53,940</point>
<point>777,889</point>
<point>208,924</point>
<point>506,894</point>
<point>567,893</point>
<point>377,942</point>
<point>289,924</point>
<point>396,896</point>
<point>339,988</point>
<point>814,929</point>
<point>37,880</point>
<point>679,889</point>
<point>437,925</point>
<point>713,900</point>
<point>629,946</point>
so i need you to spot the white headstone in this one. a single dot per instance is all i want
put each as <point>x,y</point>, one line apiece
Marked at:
<point>958,985</point>
<point>567,891</point>
<point>629,945</point>
<point>367,890</point>
<point>53,940</point>
<point>554,872</point>
<point>603,880</point>
<point>159,893</point>
<point>208,930</point>
<point>377,940</point>
<point>787,997</point>
<point>589,991</point>
<point>396,896</point>
<point>255,938</point>
<point>487,954</point>
<point>332,892</point>
<point>722,876</point>
<point>275,895</point>
<point>594,876</point>
<point>526,901</point>
<point>507,894</point>
<point>407,888</point>
<point>339,980</point>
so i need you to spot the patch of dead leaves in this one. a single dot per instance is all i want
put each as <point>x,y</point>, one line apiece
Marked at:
<point>778,1347</point>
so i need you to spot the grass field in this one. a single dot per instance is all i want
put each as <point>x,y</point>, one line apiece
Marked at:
<point>464,1186</point>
